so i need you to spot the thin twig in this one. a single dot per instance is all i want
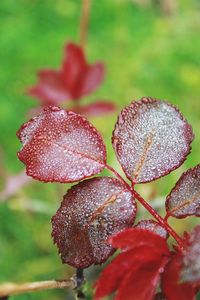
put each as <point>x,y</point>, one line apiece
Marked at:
<point>149,208</point>
<point>80,280</point>
<point>10,288</point>
<point>84,22</point>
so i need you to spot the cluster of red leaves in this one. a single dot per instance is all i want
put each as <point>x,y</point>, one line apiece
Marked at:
<point>73,81</point>
<point>146,264</point>
<point>151,138</point>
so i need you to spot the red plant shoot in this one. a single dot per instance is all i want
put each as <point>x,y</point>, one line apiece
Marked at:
<point>151,139</point>
<point>75,79</point>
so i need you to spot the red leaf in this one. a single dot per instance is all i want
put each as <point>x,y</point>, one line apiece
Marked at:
<point>91,211</point>
<point>61,146</point>
<point>135,237</point>
<point>75,79</point>
<point>141,281</point>
<point>93,77</point>
<point>95,109</point>
<point>190,271</point>
<point>153,226</point>
<point>184,199</point>
<point>114,273</point>
<point>51,89</point>
<point>151,139</point>
<point>172,288</point>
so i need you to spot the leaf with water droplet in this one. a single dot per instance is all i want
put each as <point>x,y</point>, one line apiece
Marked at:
<point>184,199</point>
<point>90,212</point>
<point>191,257</point>
<point>154,226</point>
<point>61,146</point>
<point>151,138</point>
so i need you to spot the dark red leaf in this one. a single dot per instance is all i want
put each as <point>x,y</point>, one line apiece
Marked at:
<point>135,237</point>
<point>114,273</point>
<point>61,146</point>
<point>91,211</point>
<point>151,139</point>
<point>190,271</point>
<point>141,281</point>
<point>51,89</point>
<point>75,79</point>
<point>172,288</point>
<point>95,109</point>
<point>184,199</point>
<point>153,226</point>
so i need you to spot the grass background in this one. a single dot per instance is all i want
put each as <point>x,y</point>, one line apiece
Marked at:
<point>146,54</point>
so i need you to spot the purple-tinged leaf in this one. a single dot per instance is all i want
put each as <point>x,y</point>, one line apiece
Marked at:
<point>190,271</point>
<point>172,288</point>
<point>151,139</point>
<point>184,199</point>
<point>61,146</point>
<point>154,226</point>
<point>90,212</point>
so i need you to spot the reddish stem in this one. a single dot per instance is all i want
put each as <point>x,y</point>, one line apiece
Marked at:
<point>148,207</point>
<point>162,221</point>
<point>84,21</point>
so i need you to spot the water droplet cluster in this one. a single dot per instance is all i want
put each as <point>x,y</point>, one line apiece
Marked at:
<point>92,211</point>
<point>61,146</point>
<point>154,226</point>
<point>184,199</point>
<point>191,257</point>
<point>151,138</point>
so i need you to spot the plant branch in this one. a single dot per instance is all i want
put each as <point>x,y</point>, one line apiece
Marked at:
<point>80,280</point>
<point>9,288</point>
<point>162,221</point>
<point>118,176</point>
<point>84,22</point>
<point>149,208</point>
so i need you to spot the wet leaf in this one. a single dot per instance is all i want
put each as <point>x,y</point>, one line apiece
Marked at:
<point>190,271</point>
<point>92,211</point>
<point>153,226</point>
<point>61,146</point>
<point>184,199</point>
<point>171,286</point>
<point>151,138</point>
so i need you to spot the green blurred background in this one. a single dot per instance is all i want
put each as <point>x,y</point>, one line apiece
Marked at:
<point>147,53</point>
